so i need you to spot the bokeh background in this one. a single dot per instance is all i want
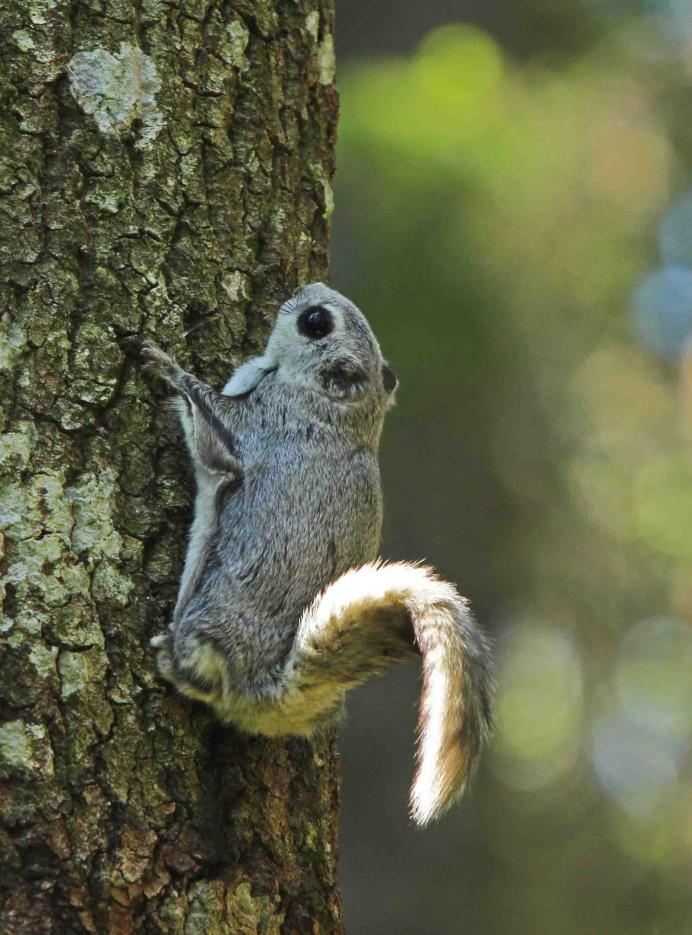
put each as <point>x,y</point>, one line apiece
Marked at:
<point>514,214</point>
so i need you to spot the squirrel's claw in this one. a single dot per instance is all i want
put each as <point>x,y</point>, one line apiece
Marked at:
<point>158,363</point>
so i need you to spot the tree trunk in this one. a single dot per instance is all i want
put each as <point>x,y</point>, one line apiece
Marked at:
<point>165,169</point>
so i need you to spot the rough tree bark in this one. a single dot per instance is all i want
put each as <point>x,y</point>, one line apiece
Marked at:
<point>165,169</point>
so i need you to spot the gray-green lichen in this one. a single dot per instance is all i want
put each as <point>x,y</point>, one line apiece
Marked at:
<point>42,659</point>
<point>226,910</point>
<point>23,39</point>
<point>312,24</point>
<point>27,747</point>
<point>234,50</point>
<point>15,447</point>
<point>327,191</point>
<point>74,673</point>
<point>118,89</point>
<point>326,59</point>
<point>324,49</point>
<point>93,505</point>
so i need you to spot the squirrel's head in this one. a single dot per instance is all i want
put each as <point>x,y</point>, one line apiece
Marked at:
<point>321,341</point>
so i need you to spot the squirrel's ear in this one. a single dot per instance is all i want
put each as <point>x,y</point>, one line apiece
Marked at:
<point>248,376</point>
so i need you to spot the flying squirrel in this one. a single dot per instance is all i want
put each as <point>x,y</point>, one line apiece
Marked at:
<point>283,603</point>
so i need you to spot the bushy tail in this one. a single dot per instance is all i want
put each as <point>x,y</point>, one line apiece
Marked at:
<point>377,614</point>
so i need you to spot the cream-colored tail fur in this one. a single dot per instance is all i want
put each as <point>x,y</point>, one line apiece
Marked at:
<point>375,615</point>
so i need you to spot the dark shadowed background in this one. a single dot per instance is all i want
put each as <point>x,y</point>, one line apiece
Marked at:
<point>513,213</point>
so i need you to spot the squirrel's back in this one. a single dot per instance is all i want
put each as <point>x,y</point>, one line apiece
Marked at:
<point>307,508</point>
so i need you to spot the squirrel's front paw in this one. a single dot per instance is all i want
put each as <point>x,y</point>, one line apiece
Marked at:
<point>157,362</point>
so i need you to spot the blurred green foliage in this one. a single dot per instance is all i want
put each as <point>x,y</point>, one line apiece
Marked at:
<point>494,220</point>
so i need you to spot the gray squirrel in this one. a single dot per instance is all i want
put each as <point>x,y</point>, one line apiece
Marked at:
<point>283,603</point>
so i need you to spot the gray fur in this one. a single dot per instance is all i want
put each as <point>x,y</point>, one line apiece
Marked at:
<point>280,608</point>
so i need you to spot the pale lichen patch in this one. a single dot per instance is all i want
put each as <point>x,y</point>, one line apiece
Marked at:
<point>327,191</point>
<point>73,673</point>
<point>15,743</point>
<point>41,569</point>
<point>238,38</point>
<point>42,658</point>
<point>23,40</point>
<point>49,523</point>
<point>326,59</point>
<point>82,678</point>
<point>26,748</point>
<point>15,447</point>
<point>17,518</point>
<point>40,11</point>
<point>117,90</point>
<point>328,199</point>
<point>312,24</point>
<point>109,586</point>
<point>93,504</point>
<point>235,285</point>
<point>30,622</point>
<point>48,501</point>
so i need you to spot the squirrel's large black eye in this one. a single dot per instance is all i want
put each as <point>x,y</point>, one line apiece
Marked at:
<point>315,323</point>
